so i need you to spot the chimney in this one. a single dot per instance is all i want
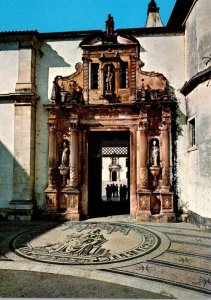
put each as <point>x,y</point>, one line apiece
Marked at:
<point>153,15</point>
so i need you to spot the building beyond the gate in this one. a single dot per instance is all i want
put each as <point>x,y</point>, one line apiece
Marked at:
<point>62,92</point>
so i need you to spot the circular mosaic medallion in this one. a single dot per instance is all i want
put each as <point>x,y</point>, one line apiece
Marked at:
<point>85,243</point>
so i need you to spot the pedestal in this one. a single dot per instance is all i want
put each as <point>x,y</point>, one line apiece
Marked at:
<point>72,213</point>
<point>51,203</point>
<point>143,212</point>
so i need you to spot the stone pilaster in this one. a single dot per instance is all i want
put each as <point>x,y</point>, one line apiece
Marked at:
<point>166,196</point>
<point>27,65</point>
<point>143,193</point>
<point>133,62</point>
<point>86,79</point>
<point>74,158</point>
<point>71,191</point>
<point>21,207</point>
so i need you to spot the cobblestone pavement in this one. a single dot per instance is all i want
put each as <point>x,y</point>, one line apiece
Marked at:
<point>170,260</point>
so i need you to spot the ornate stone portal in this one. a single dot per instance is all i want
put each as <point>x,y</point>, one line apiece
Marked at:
<point>110,92</point>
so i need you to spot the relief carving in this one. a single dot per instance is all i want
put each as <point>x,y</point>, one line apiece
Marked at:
<point>167,202</point>
<point>72,201</point>
<point>73,176</point>
<point>165,176</point>
<point>144,202</point>
<point>50,202</point>
<point>143,177</point>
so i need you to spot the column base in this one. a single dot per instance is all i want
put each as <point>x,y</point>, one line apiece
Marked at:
<point>143,216</point>
<point>163,218</point>
<point>72,217</point>
<point>72,212</point>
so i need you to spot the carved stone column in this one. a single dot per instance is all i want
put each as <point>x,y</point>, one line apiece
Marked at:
<point>167,207</point>
<point>71,192</point>
<point>144,195</point>
<point>51,193</point>
<point>143,170</point>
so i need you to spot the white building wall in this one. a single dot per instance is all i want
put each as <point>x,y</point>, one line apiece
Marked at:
<point>198,46</point>
<point>9,58</point>
<point>6,153</point>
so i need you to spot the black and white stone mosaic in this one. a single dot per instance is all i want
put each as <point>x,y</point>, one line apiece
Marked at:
<point>85,243</point>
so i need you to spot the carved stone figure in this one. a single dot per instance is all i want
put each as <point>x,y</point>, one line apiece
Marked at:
<point>109,79</point>
<point>154,154</point>
<point>65,154</point>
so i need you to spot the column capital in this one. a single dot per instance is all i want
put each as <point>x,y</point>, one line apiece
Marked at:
<point>164,126</point>
<point>142,126</point>
<point>74,122</point>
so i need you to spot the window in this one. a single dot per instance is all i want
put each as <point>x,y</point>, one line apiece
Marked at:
<point>94,76</point>
<point>114,176</point>
<point>124,75</point>
<point>114,161</point>
<point>192,133</point>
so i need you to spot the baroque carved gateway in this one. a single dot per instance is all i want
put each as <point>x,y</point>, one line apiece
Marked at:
<point>109,91</point>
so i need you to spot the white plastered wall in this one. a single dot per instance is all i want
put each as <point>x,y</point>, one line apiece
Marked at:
<point>6,153</point>
<point>198,46</point>
<point>8,77</point>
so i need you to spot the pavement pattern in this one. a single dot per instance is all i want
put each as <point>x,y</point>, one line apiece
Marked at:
<point>172,260</point>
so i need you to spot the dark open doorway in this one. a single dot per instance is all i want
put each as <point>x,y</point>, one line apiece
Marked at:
<point>109,173</point>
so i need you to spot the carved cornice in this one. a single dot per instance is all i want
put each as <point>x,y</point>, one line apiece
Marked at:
<point>199,78</point>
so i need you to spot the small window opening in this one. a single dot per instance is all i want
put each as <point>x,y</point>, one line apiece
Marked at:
<point>192,132</point>
<point>94,76</point>
<point>124,75</point>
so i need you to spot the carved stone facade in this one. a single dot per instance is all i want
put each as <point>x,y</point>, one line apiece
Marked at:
<point>108,88</point>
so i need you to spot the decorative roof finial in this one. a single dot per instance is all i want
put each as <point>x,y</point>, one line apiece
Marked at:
<point>152,7</point>
<point>110,25</point>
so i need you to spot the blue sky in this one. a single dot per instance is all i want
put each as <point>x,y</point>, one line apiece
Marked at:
<point>71,15</point>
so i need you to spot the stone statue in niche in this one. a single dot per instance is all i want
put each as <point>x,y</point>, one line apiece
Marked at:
<point>154,154</point>
<point>65,154</point>
<point>109,79</point>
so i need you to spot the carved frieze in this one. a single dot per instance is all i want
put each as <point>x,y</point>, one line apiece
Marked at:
<point>50,202</point>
